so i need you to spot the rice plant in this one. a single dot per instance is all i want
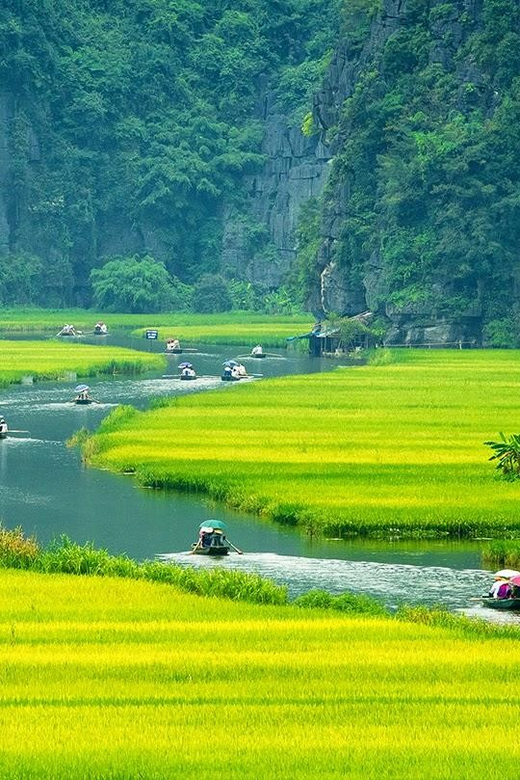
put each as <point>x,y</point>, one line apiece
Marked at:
<point>117,678</point>
<point>66,556</point>
<point>233,328</point>
<point>380,450</point>
<point>50,360</point>
<point>503,553</point>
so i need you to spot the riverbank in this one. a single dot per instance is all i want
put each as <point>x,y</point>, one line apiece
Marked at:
<point>43,360</point>
<point>233,328</point>
<point>105,677</point>
<point>392,450</point>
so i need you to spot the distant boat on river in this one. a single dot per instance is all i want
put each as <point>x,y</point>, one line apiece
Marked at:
<point>83,398</point>
<point>69,330</point>
<point>187,371</point>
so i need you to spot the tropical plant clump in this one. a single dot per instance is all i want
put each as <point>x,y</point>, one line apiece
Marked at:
<point>507,454</point>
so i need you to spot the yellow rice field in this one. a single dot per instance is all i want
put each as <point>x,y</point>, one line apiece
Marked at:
<point>379,449</point>
<point>52,360</point>
<point>235,327</point>
<point>110,678</point>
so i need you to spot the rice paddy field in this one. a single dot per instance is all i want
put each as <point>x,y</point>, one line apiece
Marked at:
<point>391,449</point>
<point>53,360</point>
<point>233,328</point>
<point>112,678</point>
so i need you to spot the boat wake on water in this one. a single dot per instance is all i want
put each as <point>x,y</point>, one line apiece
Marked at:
<point>394,584</point>
<point>18,440</point>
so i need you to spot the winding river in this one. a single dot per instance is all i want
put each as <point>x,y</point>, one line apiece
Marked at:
<point>45,489</point>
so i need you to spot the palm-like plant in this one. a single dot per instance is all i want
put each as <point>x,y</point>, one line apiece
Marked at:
<point>507,454</point>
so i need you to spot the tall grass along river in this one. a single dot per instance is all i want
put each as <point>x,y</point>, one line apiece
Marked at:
<point>387,450</point>
<point>44,488</point>
<point>125,675</point>
<point>111,678</point>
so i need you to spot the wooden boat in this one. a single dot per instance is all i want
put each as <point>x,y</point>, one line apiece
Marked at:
<point>68,330</point>
<point>179,350</point>
<point>82,398</point>
<point>490,601</point>
<point>212,540</point>
<point>188,377</point>
<point>100,329</point>
<point>230,378</point>
<point>196,549</point>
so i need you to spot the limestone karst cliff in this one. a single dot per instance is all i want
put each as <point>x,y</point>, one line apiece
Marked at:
<point>181,136</point>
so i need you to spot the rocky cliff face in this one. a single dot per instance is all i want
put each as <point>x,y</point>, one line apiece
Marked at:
<point>356,270</point>
<point>5,115</point>
<point>347,286</point>
<point>295,171</point>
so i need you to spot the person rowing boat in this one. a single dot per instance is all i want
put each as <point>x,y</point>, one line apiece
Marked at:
<point>187,371</point>
<point>173,346</point>
<point>212,540</point>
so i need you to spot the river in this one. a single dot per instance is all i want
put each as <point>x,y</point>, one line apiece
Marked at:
<point>45,489</point>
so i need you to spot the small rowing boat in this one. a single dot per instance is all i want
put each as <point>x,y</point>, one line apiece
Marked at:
<point>83,397</point>
<point>197,549</point>
<point>491,601</point>
<point>212,540</point>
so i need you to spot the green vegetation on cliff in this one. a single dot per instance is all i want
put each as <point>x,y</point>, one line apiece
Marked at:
<point>424,185</point>
<point>127,118</point>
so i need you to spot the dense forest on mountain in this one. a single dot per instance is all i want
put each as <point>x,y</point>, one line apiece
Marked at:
<point>425,183</point>
<point>133,130</point>
<point>140,119</point>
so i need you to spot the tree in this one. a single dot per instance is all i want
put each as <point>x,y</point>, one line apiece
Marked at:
<point>132,284</point>
<point>507,454</point>
<point>210,294</point>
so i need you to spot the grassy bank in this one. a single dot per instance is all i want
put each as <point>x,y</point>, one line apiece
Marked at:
<point>503,553</point>
<point>233,328</point>
<point>393,449</point>
<point>51,360</point>
<point>111,678</point>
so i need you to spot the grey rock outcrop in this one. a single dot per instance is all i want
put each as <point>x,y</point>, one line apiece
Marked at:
<point>5,118</point>
<point>345,288</point>
<point>295,171</point>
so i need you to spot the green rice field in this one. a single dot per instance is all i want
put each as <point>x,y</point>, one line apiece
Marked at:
<point>394,448</point>
<point>233,328</point>
<point>106,678</point>
<point>54,360</point>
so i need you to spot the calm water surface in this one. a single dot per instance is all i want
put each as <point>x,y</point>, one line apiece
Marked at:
<point>46,490</point>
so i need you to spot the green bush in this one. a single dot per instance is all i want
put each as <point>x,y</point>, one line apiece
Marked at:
<point>134,285</point>
<point>211,294</point>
